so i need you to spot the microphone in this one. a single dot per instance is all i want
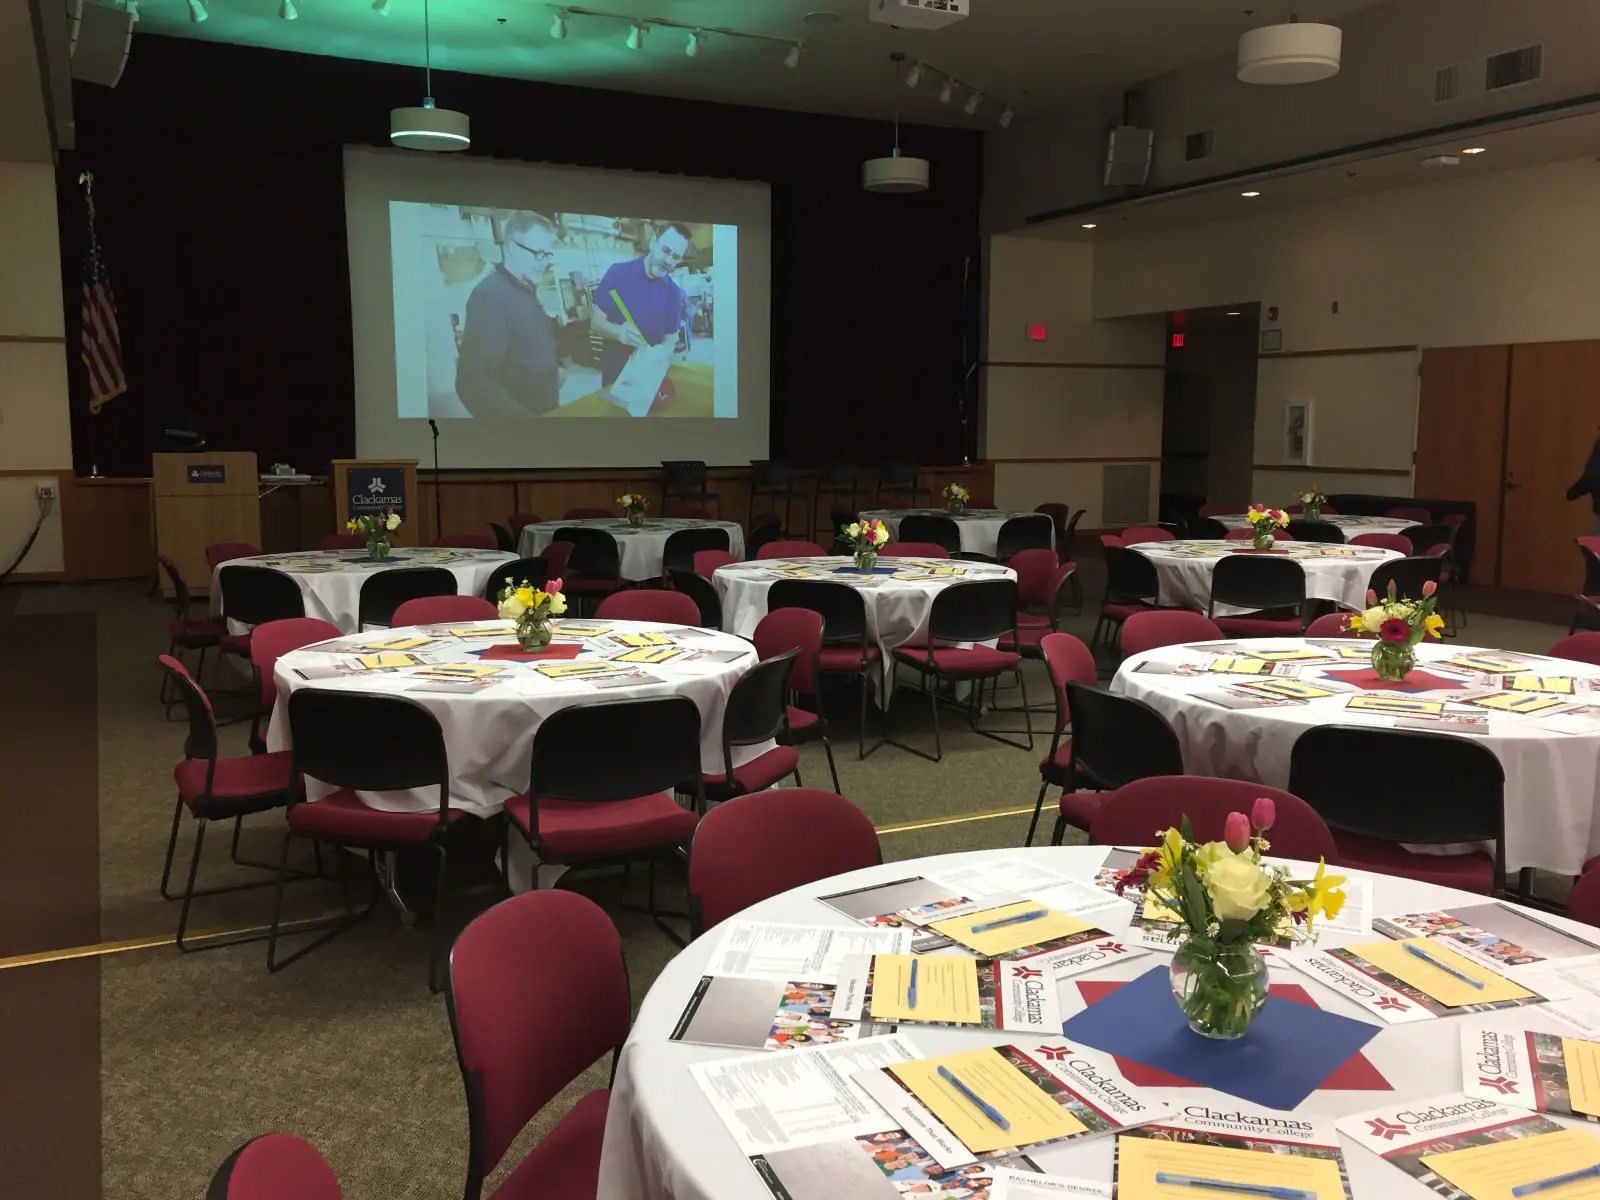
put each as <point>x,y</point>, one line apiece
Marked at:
<point>433,425</point>
<point>438,499</point>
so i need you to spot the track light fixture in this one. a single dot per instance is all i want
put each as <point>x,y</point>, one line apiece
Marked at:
<point>971,106</point>
<point>1005,119</point>
<point>558,28</point>
<point>197,11</point>
<point>381,7</point>
<point>636,36</point>
<point>914,76</point>
<point>288,12</point>
<point>792,59</point>
<point>947,92</point>
<point>693,48</point>
<point>949,86</point>
<point>639,26</point>
<point>132,9</point>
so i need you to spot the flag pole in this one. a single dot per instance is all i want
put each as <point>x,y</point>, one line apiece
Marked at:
<point>86,181</point>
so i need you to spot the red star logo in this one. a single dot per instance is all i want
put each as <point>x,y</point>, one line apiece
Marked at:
<point>1391,1003</point>
<point>1055,1053</point>
<point>1387,1130</point>
<point>1026,972</point>
<point>1500,1084</point>
<point>1111,947</point>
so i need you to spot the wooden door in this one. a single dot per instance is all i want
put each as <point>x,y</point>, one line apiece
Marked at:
<point>1461,421</point>
<point>1553,419</point>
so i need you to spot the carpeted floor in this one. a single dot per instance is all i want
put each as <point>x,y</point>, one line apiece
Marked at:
<point>195,1053</point>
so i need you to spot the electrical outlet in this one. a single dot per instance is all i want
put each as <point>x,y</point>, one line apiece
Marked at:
<point>46,491</point>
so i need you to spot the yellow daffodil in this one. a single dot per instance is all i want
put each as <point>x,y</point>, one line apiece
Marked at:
<point>525,596</point>
<point>1170,851</point>
<point>1433,623</point>
<point>350,526</point>
<point>1324,898</point>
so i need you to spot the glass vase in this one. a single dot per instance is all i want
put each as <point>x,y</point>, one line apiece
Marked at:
<point>636,517</point>
<point>1393,660</point>
<point>534,633</point>
<point>1221,986</point>
<point>955,507</point>
<point>1313,512</point>
<point>866,558</point>
<point>1261,537</point>
<point>378,549</point>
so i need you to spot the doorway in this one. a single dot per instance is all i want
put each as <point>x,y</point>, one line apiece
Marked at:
<point>1208,411</point>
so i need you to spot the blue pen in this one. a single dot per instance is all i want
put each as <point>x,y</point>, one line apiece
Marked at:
<point>986,1108</point>
<point>1243,1189</point>
<point>1443,966</point>
<point>1555,1181</point>
<point>1016,920</point>
<point>911,989</point>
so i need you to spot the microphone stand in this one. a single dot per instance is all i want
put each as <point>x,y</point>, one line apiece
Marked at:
<point>438,519</point>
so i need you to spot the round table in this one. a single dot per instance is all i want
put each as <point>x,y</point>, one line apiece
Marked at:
<point>489,731</point>
<point>663,1140</point>
<point>980,527</point>
<point>640,547</point>
<point>1552,777</point>
<point>1337,573</point>
<point>1350,526</point>
<point>330,580</point>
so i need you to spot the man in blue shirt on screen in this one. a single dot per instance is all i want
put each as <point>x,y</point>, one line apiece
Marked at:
<point>652,299</point>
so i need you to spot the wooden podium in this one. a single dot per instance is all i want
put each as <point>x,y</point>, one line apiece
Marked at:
<point>371,485</point>
<point>201,498</point>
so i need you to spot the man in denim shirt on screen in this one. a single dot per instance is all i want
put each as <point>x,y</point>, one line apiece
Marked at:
<point>509,365</point>
<point>656,304</point>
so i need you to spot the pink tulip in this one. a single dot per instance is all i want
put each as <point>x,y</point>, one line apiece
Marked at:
<point>1372,596</point>
<point>1430,587</point>
<point>552,585</point>
<point>1263,813</point>
<point>1236,832</point>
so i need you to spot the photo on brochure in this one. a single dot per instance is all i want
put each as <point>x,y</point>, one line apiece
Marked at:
<point>887,1165</point>
<point>1494,934</point>
<point>763,1014</point>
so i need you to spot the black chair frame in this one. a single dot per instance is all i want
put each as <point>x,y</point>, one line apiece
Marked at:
<point>1260,583</point>
<point>844,620</point>
<point>774,479</point>
<point>1302,530</point>
<point>901,477</point>
<point>685,479</point>
<point>595,557</point>
<point>385,591</point>
<point>1130,579</point>
<point>1116,739</point>
<point>757,712</point>
<point>930,527</point>
<point>681,547</point>
<point>704,594</point>
<point>1032,531</point>
<point>534,571</point>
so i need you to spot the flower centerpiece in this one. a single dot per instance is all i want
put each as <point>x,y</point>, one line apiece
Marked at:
<point>1399,625</point>
<point>531,608</point>
<point>634,506</point>
<point>1263,521</point>
<point>1311,504</point>
<point>1225,900</point>
<point>955,498</point>
<point>864,538</point>
<point>376,528</point>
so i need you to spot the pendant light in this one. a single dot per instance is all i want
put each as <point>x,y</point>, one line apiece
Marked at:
<point>429,128</point>
<point>895,173</point>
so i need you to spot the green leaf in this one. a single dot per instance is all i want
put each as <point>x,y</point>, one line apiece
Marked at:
<point>1186,828</point>
<point>1235,929</point>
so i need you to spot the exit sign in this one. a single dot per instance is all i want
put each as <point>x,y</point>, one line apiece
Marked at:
<point>1177,341</point>
<point>1036,332</point>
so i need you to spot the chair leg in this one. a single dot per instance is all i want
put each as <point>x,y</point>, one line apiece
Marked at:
<point>1038,807</point>
<point>933,695</point>
<point>437,951</point>
<point>1059,831</point>
<point>172,845</point>
<point>330,929</point>
<point>833,771</point>
<point>188,891</point>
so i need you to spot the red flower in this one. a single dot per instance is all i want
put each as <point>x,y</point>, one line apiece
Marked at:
<point>1236,831</point>
<point>1263,813</point>
<point>1395,629</point>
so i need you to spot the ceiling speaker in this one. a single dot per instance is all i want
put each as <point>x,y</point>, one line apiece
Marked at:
<point>99,38</point>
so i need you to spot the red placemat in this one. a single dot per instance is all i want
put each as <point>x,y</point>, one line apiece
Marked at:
<point>1417,681</point>
<point>516,653</point>
<point>1355,1074</point>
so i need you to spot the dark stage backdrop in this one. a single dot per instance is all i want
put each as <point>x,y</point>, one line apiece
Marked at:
<point>219,186</point>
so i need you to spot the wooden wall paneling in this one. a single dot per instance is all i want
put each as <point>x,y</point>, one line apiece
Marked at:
<point>468,507</point>
<point>295,516</point>
<point>107,528</point>
<point>1461,420</point>
<point>1553,417</point>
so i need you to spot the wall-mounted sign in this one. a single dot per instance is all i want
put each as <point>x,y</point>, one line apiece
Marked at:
<point>207,473</point>
<point>1271,340</point>
<point>1036,332</point>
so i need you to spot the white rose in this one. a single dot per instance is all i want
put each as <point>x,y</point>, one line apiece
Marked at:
<point>511,608</point>
<point>558,604</point>
<point>394,521</point>
<point>1237,886</point>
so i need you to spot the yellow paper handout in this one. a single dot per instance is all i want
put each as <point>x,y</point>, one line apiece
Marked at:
<point>1239,666</point>
<point>1396,706</point>
<point>1009,937</point>
<point>1141,1159</point>
<point>1491,1172</point>
<point>644,639</point>
<point>1583,1075</point>
<point>568,670</point>
<point>1393,958</point>
<point>386,662</point>
<point>1516,702</point>
<point>1293,689</point>
<point>1029,1110</point>
<point>1559,685</point>
<point>650,654</point>
<point>946,988</point>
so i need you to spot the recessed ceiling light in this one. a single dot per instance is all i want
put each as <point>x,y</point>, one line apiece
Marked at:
<point>1474,149</point>
<point>1234,312</point>
<point>1249,195</point>
<point>821,17</point>
<point>1089,225</point>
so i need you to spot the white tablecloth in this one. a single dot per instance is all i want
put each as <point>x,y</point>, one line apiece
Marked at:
<point>980,527</point>
<point>1337,573</point>
<point>1350,526</point>
<point>489,733</point>
<point>1552,778</point>
<point>331,580</point>
<point>664,1142</point>
<point>641,548</point>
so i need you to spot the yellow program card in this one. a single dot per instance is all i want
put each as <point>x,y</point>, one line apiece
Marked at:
<point>1033,1115</point>
<point>1293,689</point>
<point>644,639</point>
<point>462,670</point>
<point>1396,706</point>
<point>1492,663</point>
<point>483,631</point>
<point>1583,1074</point>
<point>650,654</point>
<point>947,571</point>
<point>1154,910</point>
<point>399,643</point>
<point>386,662</point>
<point>1141,1159</point>
<point>947,988</point>
<point>580,629</point>
<point>1351,653</point>
<point>1284,655</point>
<point>1239,666</point>
<point>567,670</point>
<point>1516,702</point>
<point>990,942</point>
<point>1560,685</point>
<point>1393,957</point>
<point>1491,1172</point>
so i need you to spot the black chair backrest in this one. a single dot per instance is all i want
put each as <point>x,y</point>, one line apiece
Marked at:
<point>503,538</point>
<point>683,475</point>
<point>1130,575</point>
<point>385,591</point>
<point>976,611</point>
<point>758,706</point>
<point>770,475</point>
<point>1409,574</point>
<point>838,475</point>
<point>930,527</point>
<point>768,529</point>
<point>704,594</point>
<point>1257,582</point>
<point>678,554</point>
<point>1117,739</point>
<point>1400,785</point>
<point>182,601</point>
<point>256,595</point>
<point>594,551</point>
<point>843,611</point>
<point>1069,539</point>
<point>898,474</point>
<point>1034,531</point>
<point>1591,571</point>
<point>373,742</point>
<point>1208,529</point>
<point>534,571</point>
<point>202,739</point>
<point>1425,537</point>
<point>1314,531</point>
<point>662,737</point>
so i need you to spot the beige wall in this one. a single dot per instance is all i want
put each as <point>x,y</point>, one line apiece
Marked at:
<point>34,430</point>
<point>1085,395</point>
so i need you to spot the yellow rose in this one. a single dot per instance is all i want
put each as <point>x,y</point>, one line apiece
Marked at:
<point>510,609</point>
<point>1237,886</point>
<point>1373,618</point>
<point>350,525</point>
<point>394,521</point>
<point>853,529</point>
<point>558,604</point>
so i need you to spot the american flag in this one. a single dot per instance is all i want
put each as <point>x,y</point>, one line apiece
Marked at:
<point>102,344</point>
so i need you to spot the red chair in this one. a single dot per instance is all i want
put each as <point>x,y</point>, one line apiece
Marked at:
<point>706,562</point>
<point>466,541</point>
<point>343,541</point>
<point>735,861</point>
<point>220,552</point>
<point>1216,510</point>
<point>1040,580</point>
<point>1143,631</point>
<point>1383,541</point>
<point>793,548</point>
<point>1583,901</point>
<point>1578,647</point>
<point>1060,517</point>
<point>800,629</point>
<point>757,713</point>
<point>268,643</point>
<point>188,633</point>
<point>587,514</point>
<point>1135,534</point>
<point>1112,539</point>
<point>1136,812</point>
<point>1066,658</point>
<point>216,789</point>
<point>1420,515</point>
<point>275,1166</point>
<point>537,992</point>
<point>519,521</point>
<point>555,558</point>
<point>847,649</point>
<point>912,550</point>
<point>649,604</point>
<point>1332,625</point>
<point>1588,610</point>
<point>439,610</point>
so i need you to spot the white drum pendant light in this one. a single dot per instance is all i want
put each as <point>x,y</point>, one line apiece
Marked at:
<point>429,128</point>
<point>1293,53</point>
<point>896,173</point>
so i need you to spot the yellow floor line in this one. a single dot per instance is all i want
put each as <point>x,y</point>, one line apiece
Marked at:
<point>909,826</point>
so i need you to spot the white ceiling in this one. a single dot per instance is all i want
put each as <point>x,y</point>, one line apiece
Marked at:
<point>1036,55</point>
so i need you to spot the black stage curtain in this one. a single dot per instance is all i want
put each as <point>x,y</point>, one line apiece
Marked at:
<point>219,186</point>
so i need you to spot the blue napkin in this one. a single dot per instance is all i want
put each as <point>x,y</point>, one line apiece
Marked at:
<point>362,558</point>
<point>1289,1050</point>
<point>872,571</point>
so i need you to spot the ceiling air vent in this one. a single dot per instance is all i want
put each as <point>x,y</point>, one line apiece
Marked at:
<point>1197,146</point>
<point>1475,77</point>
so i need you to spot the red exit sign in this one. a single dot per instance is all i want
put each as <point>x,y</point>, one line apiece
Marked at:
<point>1036,332</point>
<point>1177,341</point>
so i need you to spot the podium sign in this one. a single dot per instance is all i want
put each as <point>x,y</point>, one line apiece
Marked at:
<point>369,487</point>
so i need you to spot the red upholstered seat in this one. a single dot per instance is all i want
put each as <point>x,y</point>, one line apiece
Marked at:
<point>235,778</point>
<point>587,583</point>
<point>1258,626</point>
<point>1028,638</point>
<point>1119,611</point>
<point>844,657</point>
<point>565,1161</point>
<point>1472,872</point>
<point>759,773</point>
<point>207,629</point>
<point>952,660</point>
<point>580,828</point>
<point>343,815</point>
<point>799,718</point>
<point>1080,808</point>
<point>236,643</point>
<point>274,1166</point>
